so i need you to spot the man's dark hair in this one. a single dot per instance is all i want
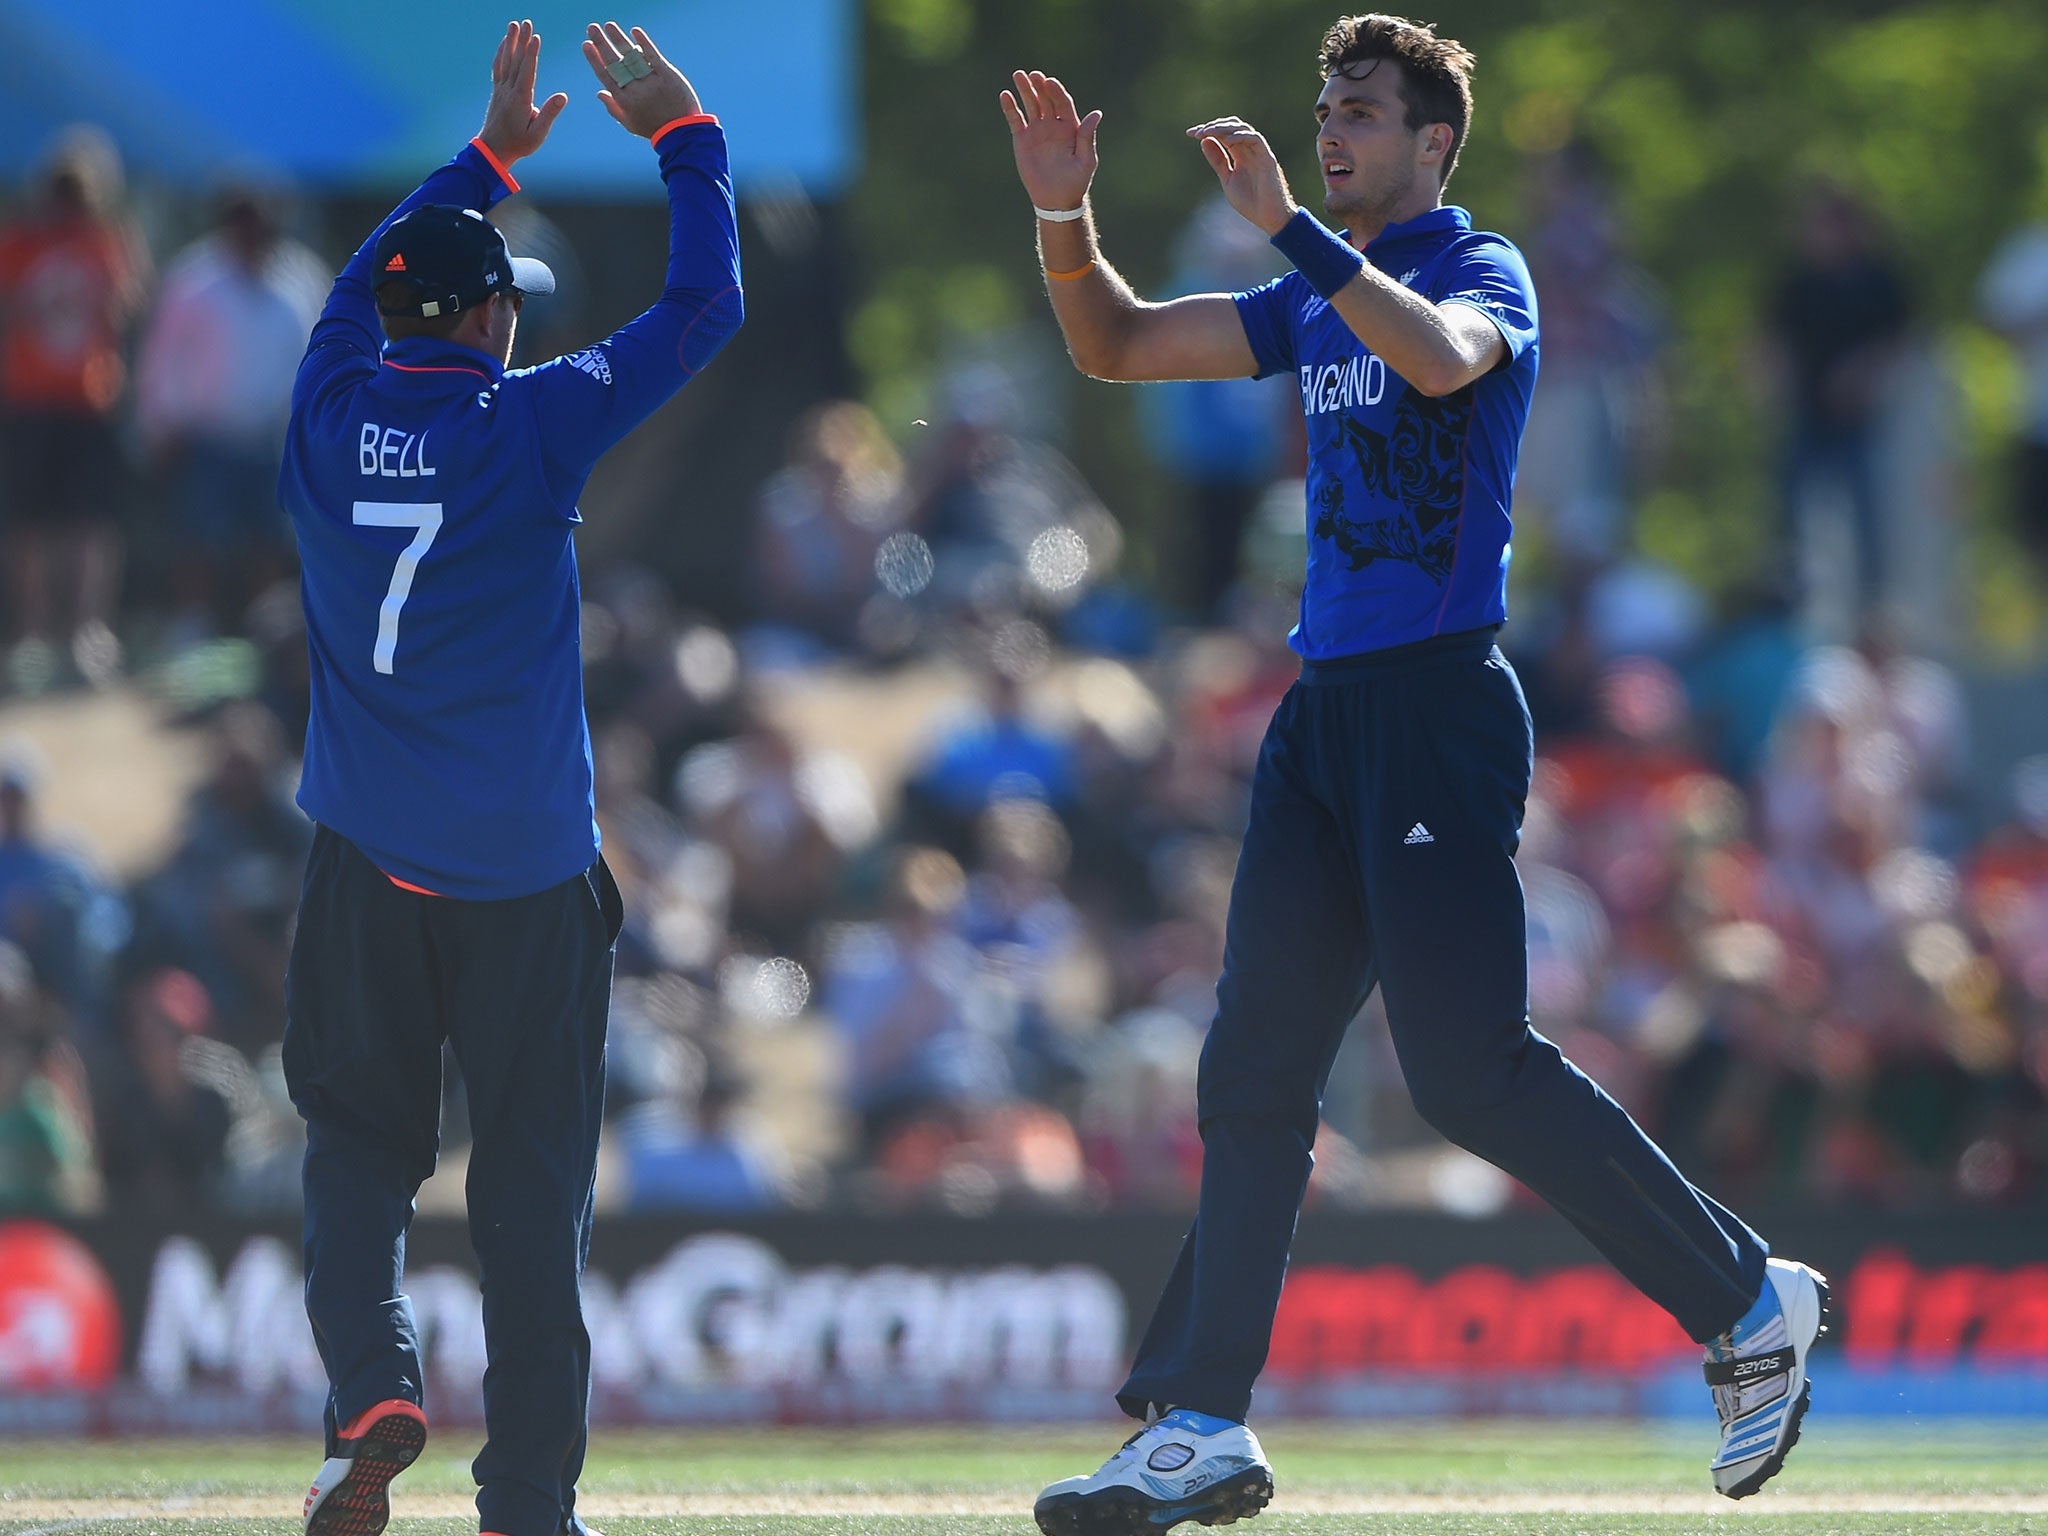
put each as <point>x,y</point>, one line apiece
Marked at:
<point>1436,72</point>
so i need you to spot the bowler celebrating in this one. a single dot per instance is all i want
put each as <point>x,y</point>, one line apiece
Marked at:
<point>1387,802</point>
<point>455,892</point>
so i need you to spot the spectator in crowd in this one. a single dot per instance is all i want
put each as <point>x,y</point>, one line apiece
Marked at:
<point>1137,1120</point>
<point>819,521</point>
<point>900,995</point>
<point>1837,316</point>
<point>72,279</point>
<point>2007,889</point>
<point>163,1126</point>
<point>993,750</point>
<point>47,1159</point>
<point>1009,521</point>
<point>773,811</point>
<point>213,391</point>
<point>1597,410</point>
<point>1218,443</point>
<point>700,1156</point>
<point>223,905</point>
<point>2013,296</point>
<point>53,906</point>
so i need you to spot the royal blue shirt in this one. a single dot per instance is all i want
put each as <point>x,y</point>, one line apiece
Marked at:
<point>434,497</point>
<point>1408,496</point>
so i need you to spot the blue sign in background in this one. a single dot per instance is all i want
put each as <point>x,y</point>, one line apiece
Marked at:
<point>367,95</point>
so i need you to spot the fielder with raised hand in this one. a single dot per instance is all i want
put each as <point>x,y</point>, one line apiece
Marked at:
<point>455,891</point>
<point>1387,802</point>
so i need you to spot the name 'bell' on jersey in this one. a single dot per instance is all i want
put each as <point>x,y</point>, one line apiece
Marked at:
<point>434,498</point>
<point>1408,495</point>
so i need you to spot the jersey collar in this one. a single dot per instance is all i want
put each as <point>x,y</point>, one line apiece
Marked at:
<point>430,355</point>
<point>1435,224</point>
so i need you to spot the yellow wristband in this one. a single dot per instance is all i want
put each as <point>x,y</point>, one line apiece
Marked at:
<point>1068,277</point>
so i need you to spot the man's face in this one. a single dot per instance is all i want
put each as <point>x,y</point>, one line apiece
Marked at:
<point>1367,152</point>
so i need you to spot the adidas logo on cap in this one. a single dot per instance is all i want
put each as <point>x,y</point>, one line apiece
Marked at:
<point>1419,834</point>
<point>396,263</point>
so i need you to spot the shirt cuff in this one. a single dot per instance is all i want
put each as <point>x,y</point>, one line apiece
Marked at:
<point>680,122</point>
<point>504,171</point>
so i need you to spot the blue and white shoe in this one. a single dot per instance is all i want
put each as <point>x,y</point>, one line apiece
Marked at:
<point>1184,1466</point>
<point>1758,1372</point>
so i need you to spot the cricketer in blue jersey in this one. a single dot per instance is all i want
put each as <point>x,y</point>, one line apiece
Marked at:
<point>455,891</point>
<point>1387,802</point>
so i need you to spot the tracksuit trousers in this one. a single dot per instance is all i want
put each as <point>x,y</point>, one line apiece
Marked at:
<point>379,978</point>
<point>1385,813</point>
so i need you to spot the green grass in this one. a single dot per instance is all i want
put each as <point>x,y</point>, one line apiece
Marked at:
<point>1459,1467</point>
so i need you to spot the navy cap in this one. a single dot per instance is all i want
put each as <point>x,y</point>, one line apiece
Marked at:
<point>449,259</point>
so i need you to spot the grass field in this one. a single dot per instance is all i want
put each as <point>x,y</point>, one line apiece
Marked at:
<point>1483,1479</point>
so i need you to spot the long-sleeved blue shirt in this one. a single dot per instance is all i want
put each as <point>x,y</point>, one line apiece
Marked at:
<point>434,496</point>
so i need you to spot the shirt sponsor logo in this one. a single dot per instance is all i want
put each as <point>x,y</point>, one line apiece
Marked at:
<point>1360,380</point>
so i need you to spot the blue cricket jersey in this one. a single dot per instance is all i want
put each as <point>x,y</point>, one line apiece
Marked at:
<point>434,497</point>
<point>1408,495</point>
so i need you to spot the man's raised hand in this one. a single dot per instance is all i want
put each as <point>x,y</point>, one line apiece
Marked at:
<point>1054,144</point>
<point>1243,162</point>
<point>649,104</point>
<point>513,127</point>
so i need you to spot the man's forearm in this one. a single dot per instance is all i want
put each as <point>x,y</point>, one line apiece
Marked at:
<point>1090,299</point>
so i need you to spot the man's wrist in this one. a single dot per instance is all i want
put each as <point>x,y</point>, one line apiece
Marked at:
<point>1318,255</point>
<point>1286,218</point>
<point>499,162</point>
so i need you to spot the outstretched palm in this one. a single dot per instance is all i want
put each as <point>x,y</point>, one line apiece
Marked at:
<point>1054,144</point>
<point>513,127</point>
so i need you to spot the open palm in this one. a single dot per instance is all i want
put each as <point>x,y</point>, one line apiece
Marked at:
<point>1054,144</point>
<point>513,127</point>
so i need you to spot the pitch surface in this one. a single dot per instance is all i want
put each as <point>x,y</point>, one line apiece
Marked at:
<point>1488,1479</point>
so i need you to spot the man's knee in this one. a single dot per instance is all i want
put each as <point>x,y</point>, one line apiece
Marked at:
<point>1470,1102</point>
<point>1237,1083</point>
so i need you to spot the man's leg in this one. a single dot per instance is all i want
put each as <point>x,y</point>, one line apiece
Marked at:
<point>1296,968</point>
<point>362,1057</point>
<point>528,990</point>
<point>1449,750</point>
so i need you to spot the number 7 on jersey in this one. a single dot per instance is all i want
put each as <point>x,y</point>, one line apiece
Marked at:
<point>425,517</point>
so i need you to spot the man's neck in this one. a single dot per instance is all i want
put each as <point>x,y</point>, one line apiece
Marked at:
<point>1368,225</point>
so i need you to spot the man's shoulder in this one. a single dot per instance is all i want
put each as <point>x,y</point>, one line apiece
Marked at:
<point>1486,245</point>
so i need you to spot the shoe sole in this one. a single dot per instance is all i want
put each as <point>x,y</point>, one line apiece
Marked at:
<point>1775,1462</point>
<point>1126,1512</point>
<point>360,1504</point>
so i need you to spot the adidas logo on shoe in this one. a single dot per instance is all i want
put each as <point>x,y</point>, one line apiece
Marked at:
<point>1418,834</point>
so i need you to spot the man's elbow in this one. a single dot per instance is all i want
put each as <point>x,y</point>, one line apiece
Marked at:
<point>727,313</point>
<point>1099,358</point>
<point>717,323</point>
<point>1446,377</point>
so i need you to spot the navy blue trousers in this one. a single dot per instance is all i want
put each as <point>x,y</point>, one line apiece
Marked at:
<point>521,990</point>
<point>1386,810</point>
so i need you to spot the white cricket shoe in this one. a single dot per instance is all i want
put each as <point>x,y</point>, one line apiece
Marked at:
<point>1168,1472</point>
<point>1758,1372</point>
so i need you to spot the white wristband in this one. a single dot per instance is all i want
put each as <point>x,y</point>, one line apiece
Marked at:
<point>1060,215</point>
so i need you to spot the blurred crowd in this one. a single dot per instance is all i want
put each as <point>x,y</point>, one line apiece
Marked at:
<point>926,862</point>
